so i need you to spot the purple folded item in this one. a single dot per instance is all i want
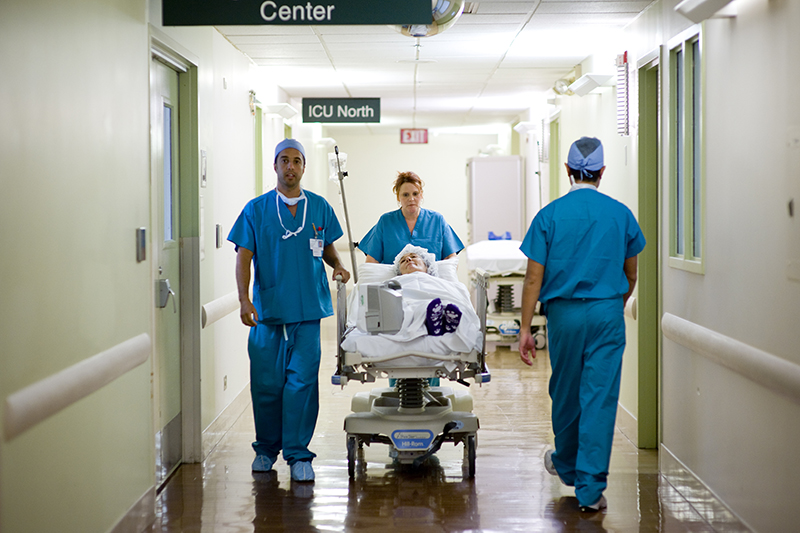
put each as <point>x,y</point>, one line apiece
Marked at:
<point>434,318</point>
<point>452,317</point>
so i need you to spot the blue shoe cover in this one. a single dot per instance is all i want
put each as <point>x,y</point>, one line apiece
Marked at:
<point>302,471</point>
<point>263,463</point>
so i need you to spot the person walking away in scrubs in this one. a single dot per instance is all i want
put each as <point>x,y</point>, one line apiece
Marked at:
<point>581,251</point>
<point>410,224</point>
<point>286,234</point>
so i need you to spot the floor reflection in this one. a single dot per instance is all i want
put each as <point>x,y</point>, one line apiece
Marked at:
<point>511,491</point>
<point>282,509</point>
<point>411,499</point>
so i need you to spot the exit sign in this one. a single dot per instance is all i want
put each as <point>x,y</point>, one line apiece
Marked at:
<point>414,136</point>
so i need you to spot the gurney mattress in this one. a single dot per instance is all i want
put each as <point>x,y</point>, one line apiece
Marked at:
<point>496,257</point>
<point>418,290</point>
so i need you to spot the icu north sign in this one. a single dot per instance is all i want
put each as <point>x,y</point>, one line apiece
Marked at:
<point>341,109</point>
<point>294,12</point>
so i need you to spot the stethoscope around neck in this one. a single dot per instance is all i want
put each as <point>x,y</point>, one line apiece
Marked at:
<point>290,201</point>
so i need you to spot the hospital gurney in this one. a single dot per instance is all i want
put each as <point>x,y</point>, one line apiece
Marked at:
<point>413,418</point>
<point>504,265</point>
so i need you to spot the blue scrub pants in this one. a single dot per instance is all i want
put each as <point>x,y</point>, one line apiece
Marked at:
<point>586,338</point>
<point>284,385</point>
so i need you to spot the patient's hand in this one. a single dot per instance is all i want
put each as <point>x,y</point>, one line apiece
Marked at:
<point>527,347</point>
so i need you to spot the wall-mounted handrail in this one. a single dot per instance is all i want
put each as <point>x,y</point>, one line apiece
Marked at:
<point>632,308</point>
<point>220,307</point>
<point>777,374</point>
<point>29,406</point>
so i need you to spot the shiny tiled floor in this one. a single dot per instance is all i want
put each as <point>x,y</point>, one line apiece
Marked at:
<point>510,492</point>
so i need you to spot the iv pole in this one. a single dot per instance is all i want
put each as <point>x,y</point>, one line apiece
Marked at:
<point>346,216</point>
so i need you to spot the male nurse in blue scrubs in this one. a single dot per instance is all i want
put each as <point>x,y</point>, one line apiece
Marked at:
<point>286,233</point>
<point>581,251</point>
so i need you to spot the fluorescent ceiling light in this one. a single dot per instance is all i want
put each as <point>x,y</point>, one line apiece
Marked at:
<point>524,127</point>
<point>699,10</point>
<point>284,110</point>
<point>588,82</point>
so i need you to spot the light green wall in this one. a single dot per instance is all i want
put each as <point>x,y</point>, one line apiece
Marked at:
<point>74,170</point>
<point>225,132</point>
<point>75,174</point>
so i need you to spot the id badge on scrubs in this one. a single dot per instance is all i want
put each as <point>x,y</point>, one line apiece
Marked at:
<point>316,247</point>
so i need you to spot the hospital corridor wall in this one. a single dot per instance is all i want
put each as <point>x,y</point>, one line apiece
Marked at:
<point>77,333</point>
<point>729,364</point>
<point>76,178</point>
<point>728,367</point>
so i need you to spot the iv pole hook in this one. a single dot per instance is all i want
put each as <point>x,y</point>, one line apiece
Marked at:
<point>346,216</point>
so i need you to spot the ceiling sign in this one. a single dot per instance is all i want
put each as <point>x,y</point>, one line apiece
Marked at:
<point>414,136</point>
<point>294,12</point>
<point>341,109</point>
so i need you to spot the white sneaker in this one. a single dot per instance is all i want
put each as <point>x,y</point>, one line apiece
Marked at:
<point>596,506</point>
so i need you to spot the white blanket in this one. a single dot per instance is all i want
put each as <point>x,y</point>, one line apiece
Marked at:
<point>418,291</point>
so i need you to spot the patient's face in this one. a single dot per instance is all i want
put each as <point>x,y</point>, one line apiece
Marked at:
<point>412,263</point>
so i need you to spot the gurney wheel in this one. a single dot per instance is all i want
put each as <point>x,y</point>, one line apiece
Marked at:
<point>540,340</point>
<point>471,445</point>
<point>352,447</point>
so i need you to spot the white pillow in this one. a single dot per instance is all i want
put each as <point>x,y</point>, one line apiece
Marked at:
<point>448,269</point>
<point>374,272</point>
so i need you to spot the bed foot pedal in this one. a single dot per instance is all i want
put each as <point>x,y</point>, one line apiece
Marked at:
<point>437,443</point>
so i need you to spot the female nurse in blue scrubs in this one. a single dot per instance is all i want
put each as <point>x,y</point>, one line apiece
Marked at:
<point>411,224</point>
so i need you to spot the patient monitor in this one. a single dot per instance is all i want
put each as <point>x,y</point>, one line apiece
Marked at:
<point>384,307</point>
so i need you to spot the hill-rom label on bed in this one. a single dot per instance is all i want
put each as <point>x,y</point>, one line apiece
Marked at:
<point>412,439</point>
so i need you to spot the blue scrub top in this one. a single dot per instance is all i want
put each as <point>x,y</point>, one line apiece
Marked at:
<point>583,240</point>
<point>290,284</point>
<point>390,235</point>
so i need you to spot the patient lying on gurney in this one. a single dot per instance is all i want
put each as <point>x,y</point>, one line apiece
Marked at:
<point>439,317</point>
<point>437,314</point>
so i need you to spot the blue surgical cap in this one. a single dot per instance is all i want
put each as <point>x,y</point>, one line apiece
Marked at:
<point>289,143</point>
<point>586,154</point>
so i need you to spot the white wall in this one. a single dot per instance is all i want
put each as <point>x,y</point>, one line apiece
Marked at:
<point>373,163</point>
<point>75,174</point>
<point>736,436</point>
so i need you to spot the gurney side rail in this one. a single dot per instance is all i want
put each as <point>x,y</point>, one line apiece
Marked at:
<point>357,358</point>
<point>346,371</point>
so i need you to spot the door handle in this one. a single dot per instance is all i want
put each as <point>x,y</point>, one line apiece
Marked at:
<point>164,291</point>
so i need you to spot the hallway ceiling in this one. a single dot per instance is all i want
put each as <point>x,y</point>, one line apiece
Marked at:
<point>491,66</point>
